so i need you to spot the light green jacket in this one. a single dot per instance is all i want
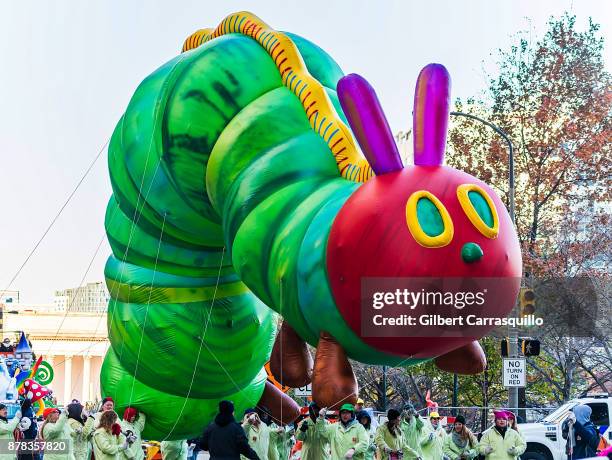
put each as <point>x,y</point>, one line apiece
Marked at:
<point>284,443</point>
<point>384,439</point>
<point>91,424</point>
<point>259,438</point>
<point>173,450</point>
<point>6,433</point>
<point>135,451</point>
<point>412,435</point>
<point>342,438</point>
<point>432,447</point>
<point>511,441</point>
<point>81,445</point>
<point>107,446</point>
<point>274,437</point>
<point>314,445</point>
<point>369,455</point>
<point>453,451</point>
<point>59,431</point>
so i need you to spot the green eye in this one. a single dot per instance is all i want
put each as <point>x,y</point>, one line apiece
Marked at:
<point>482,207</point>
<point>479,208</point>
<point>428,220</point>
<point>429,217</point>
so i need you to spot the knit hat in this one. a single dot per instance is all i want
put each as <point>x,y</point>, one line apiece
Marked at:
<point>108,398</point>
<point>250,410</point>
<point>500,414</point>
<point>74,411</point>
<point>434,415</point>
<point>460,419</point>
<point>408,407</point>
<point>226,407</point>
<point>130,412</point>
<point>510,415</point>
<point>393,414</point>
<point>48,411</point>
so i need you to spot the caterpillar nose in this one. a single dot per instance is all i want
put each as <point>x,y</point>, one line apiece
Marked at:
<point>471,252</point>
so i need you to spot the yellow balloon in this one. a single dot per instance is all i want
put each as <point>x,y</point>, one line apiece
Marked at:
<point>41,407</point>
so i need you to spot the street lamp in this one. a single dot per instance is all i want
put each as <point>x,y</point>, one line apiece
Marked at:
<point>503,134</point>
<point>512,331</point>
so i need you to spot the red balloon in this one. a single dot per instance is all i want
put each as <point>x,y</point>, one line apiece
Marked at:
<point>34,390</point>
<point>370,238</point>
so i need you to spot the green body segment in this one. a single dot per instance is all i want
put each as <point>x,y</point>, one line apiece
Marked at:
<point>182,325</point>
<point>169,414</point>
<point>223,199</point>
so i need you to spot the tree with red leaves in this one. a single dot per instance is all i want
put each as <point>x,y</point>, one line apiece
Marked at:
<point>554,99</point>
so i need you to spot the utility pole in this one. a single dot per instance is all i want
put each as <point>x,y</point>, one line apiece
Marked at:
<point>384,389</point>
<point>455,394</point>
<point>513,393</point>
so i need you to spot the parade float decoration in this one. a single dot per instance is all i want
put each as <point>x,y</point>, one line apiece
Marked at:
<point>18,377</point>
<point>8,384</point>
<point>252,178</point>
<point>23,353</point>
<point>31,385</point>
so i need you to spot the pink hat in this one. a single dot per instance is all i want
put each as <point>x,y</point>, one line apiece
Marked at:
<point>500,414</point>
<point>510,415</point>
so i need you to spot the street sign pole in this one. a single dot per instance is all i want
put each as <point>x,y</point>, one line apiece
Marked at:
<point>513,391</point>
<point>513,400</point>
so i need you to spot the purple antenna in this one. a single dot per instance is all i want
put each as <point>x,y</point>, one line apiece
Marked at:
<point>369,124</point>
<point>430,117</point>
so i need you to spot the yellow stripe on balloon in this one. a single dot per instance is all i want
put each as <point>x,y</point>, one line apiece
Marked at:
<point>319,109</point>
<point>195,39</point>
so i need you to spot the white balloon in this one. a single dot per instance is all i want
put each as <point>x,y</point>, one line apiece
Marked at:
<point>25,424</point>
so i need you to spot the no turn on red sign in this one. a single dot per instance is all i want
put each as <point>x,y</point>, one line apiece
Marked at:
<point>515,372</point>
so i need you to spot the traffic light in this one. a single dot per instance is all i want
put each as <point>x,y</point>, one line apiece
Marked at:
<point>530,347</point>
<point>504,348</point>
<point>526,302</point>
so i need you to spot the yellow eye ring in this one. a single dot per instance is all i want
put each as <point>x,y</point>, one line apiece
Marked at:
<point>412,219</point>
<point>470,210</point>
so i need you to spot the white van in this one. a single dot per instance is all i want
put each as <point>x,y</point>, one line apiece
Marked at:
<point>544,440</point>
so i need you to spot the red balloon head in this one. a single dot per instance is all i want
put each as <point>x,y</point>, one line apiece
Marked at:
<point>421,222</point>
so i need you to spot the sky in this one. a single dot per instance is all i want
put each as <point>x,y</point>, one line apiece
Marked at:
<point>69,69</point>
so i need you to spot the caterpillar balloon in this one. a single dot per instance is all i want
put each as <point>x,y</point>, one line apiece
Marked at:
<point>252,178</point>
